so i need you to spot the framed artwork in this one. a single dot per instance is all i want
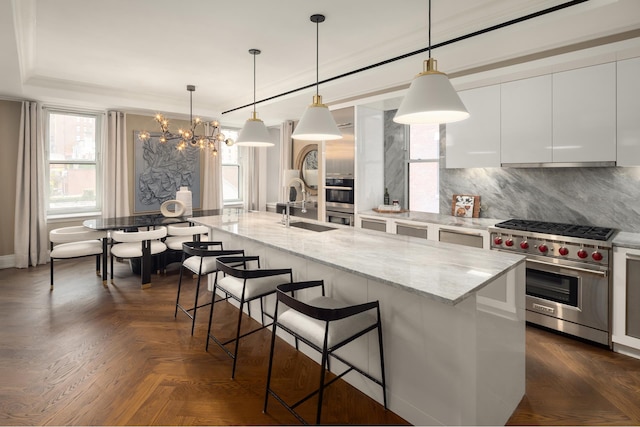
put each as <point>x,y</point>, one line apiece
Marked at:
<point>465,205</point>
<point>160,171</point>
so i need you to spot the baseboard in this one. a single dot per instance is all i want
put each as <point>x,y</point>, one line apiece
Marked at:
<point>7,261</point>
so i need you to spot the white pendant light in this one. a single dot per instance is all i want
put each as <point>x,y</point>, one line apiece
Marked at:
<point>254,133</point>
<point>317,123</point>
<point>431,98</point>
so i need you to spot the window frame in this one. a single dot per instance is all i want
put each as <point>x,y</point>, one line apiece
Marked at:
<point>409,161</point>
<point>233,133</point>
<point>97,163</point>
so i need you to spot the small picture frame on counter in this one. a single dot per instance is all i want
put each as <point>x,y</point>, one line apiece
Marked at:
<point>465,205</point>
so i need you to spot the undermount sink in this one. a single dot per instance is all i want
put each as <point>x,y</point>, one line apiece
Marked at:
<point>311,226</point>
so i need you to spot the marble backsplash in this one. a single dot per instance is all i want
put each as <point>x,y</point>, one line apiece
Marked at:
<point>600,196</point>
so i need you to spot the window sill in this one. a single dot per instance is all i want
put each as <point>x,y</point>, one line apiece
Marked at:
<point>62,217</point>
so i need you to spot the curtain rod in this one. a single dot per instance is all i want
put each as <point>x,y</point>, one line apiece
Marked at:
<point>419,51</point>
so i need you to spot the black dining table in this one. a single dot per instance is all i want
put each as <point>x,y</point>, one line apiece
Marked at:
<point>140,221</point>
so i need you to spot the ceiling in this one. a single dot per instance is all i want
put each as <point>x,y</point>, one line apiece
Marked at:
<point>139,55</point>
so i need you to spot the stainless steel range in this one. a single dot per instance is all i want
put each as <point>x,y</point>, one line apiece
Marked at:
<point>568,283</point>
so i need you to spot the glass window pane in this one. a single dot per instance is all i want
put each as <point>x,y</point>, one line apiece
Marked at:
<point>68,140</point>
<point>423,187</point>
<point>424,142</point>
<point>230,182</point>
<point>72,186</point>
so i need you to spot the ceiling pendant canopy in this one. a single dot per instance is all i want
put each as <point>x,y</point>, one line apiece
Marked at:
<point>317,123</point>
<point>254,133</point>
<point>431,98</point>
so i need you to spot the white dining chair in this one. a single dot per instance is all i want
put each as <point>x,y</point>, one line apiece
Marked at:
<point>138,244</point>
<point>75,242</point>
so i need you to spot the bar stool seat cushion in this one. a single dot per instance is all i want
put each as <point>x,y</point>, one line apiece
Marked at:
<point>208,264</point>
<point>77,249</point>
<point>255,287</point>
<point>314,329</point>
<point>134,249</point>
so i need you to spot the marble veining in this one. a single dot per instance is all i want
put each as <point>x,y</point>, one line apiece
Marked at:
<point>627,240</point>
<point>394,159</point>
<point>446,273</point>
<point>599,196</point>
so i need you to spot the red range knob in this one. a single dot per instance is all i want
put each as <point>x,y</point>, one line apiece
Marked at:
<point>524,244</point>
<point>582,253</point>
<point>543,248</point>
<point>497,240</point>
<point>563,251</point>
<point>509,242</point>
<point>597,256</point>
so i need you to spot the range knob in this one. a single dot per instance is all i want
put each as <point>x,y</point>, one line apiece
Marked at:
<point>582,253</point>
<point>543,248</point>
<point>597,256</point>
<point>524,244</point>
<point>509,242</point>
<point>497,240</point>
<point>563,251</point>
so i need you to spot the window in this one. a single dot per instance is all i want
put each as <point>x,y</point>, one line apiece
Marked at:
<point>231,170</point>
<point>73,168</point>
<point>423,166</point>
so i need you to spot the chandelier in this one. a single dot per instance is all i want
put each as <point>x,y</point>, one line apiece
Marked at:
<point>211,133</point>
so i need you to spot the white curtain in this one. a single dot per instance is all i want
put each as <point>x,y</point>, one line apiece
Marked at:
<point>250,180</point>
<point>285,156</point>
<point>212,186</point>
<point>31,240</point>
<point>115,192</point>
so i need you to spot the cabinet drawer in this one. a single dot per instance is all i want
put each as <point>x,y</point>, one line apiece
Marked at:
<point>461,238</point>
<point>411,230</point>
<point>373,224</point>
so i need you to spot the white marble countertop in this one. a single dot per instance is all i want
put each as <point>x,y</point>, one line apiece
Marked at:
<point>450,220</point>
<point>445,272</point>
<point>627,240</point>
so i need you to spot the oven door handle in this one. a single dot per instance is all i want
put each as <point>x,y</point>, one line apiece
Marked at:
<point>582,270</point>
<point>334,187</point>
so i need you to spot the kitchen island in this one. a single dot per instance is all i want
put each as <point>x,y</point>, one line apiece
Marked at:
<point>453,317</point>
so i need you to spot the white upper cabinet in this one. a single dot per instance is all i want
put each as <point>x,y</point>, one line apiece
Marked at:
<point>526,121</point>
<point>629,112</point>
<point>475,142</point>
<point>584,115</point>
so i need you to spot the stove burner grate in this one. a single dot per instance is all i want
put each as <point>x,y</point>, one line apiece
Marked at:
<point>561,229</point>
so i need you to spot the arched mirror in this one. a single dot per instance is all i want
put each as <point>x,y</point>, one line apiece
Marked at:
<point>307,164</point>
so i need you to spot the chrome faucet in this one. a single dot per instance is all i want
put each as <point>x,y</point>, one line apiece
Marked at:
<point>289,203</point>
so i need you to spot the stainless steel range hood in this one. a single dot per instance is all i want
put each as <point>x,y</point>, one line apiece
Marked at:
<point>340,153</point>
<point>559,165</point>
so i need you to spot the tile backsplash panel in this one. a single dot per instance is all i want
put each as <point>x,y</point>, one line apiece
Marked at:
<point>601,196</point>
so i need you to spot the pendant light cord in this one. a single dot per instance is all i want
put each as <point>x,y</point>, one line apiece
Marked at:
<point>254,84</point>
<point>317,57</point>
<point>429,29</point>
<point>191,109</point>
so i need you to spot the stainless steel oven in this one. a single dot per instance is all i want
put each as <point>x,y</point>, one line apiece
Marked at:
<point>568,299</point>
<point>568,279</point>
<point>339,198</point>
<point>338,217</point>
<point>339,190</point>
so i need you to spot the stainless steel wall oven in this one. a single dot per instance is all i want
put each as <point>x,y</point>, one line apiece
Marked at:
<point>339,198</point>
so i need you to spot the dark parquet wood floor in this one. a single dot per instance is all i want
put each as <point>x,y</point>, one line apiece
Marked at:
<point>88,355</point>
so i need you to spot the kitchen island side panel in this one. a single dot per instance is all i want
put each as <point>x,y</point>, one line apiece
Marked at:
<point>446,364</point>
